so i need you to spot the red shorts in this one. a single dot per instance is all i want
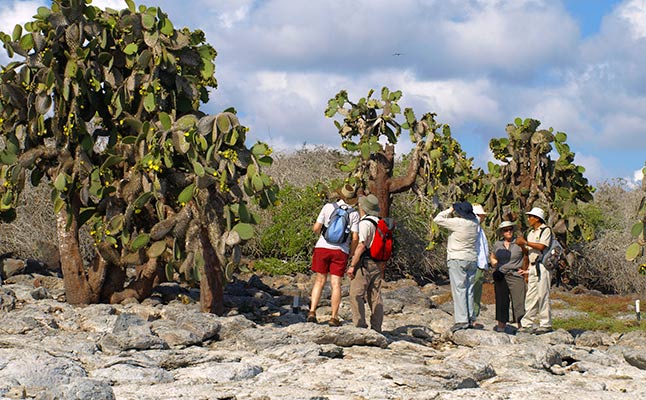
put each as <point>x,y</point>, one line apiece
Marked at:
<point>330,261</point>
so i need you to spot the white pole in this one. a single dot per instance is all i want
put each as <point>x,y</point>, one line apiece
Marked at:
<point>637,310</point>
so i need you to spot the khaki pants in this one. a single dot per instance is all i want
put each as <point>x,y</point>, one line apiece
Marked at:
<point>366,287</point>
<point>537,300</point>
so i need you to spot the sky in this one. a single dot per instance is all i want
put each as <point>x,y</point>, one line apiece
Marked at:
<point>578,66</point>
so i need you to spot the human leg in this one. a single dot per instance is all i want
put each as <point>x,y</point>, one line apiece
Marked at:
<point>373,295</point>
<point>544,306</point>
<point>517,289</point>
<point>335,283</point>
<point>502,302</point>
<point>531,298</point>
<point>470,268</point>
<point>357,295</point>
<point>458,279</point>
<point>477,290</point>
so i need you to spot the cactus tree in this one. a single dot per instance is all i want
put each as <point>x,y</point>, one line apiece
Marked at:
<point>105,105</point>
<point>436,159</point>
<point>635,251</point>
<point>528,177</point>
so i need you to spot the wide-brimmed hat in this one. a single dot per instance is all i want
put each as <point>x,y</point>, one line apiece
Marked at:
<point>537,212</point>
<point>506,224</point>
<point>370,204</point>
<point>464,210</point>
<point>478,210</point>
<point>348,193</point>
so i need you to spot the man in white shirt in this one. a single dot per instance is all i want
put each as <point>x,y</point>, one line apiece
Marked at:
<point>332,258</point>
<point>365,273</point>
<point>461,259</point>
<point>539,279</point>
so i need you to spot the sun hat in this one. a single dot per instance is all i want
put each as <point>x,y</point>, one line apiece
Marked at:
<point>537,212</point>
<point>348,193</point>
<point>478,210</point>
<point>464,210</point>
<point>369,204</point>
<point>506,224</point>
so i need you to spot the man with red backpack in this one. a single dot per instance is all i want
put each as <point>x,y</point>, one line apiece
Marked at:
<point>366,273</point>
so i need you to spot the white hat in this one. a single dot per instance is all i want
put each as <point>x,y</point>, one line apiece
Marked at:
<point>537,212</point>
<point>478,210</point>
<point>506,224</point>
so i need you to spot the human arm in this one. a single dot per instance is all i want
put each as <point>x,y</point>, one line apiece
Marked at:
<point>317,227</point>
<point>356,258</point>
<point>443,217</point>
<point>522,242</point>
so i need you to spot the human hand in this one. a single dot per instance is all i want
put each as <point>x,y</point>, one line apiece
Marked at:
<point>350,272</point>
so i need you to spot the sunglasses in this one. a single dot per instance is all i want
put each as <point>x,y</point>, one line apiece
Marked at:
<point>508,229</point>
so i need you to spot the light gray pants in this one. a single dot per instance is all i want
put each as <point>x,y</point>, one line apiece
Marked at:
<point>537,300</point>
<point>462,274</point>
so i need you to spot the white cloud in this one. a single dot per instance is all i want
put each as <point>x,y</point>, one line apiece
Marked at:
<point>114,4</point>
<point>634,12</point>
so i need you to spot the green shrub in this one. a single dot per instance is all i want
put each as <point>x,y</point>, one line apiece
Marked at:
<point>290,236</point>
<point>275,266</point>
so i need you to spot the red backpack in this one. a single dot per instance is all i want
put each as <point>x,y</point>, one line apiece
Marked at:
<point>382,244</point>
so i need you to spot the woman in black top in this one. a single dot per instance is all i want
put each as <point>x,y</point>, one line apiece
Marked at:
<point>507,259</point>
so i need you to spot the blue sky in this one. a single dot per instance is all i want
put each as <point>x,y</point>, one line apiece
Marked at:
<point>578,66</point>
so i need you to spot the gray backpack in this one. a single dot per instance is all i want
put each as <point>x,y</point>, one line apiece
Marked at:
<point>553,254</point>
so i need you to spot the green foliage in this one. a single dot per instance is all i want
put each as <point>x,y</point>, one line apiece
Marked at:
<point>528,177</point>
<point>595,322</point>
<point>437,158</point>
<point>290,235</point>
<point>105,103</point>
<point>275,266</point>
<point>635,251</point>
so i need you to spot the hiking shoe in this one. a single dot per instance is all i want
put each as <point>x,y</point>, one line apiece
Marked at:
<point>526,329</point>
<point>498,329</point>
<point>543,330</point>
<point>311,317</point>
<point>459,326</point>
<point>334,322</point>
<point>475,325</point>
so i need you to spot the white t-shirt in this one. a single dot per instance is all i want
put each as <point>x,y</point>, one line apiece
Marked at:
<point>367,231</point>
<point>324,218</point>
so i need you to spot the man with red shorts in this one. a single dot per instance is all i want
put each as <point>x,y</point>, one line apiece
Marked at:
<point>332,258</point>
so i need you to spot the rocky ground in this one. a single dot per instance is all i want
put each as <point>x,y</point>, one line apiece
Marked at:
<point>165,348</point>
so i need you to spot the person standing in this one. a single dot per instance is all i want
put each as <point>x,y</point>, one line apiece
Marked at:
<point>462,258</point>
<point>483,259</point>
<point>332,258</point>
<point>365,273</point>
<point>507,259</point>
<point>537,300</point>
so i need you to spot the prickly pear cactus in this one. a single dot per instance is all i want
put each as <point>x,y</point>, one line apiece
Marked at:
<point>105,105</point>
<point>635,251</point>
<point>436,160</point>
<point>528,177</point>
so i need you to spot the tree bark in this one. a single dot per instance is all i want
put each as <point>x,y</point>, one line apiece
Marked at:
<point>77,288</point>
<point>142,287</point>
<point>211,282</point>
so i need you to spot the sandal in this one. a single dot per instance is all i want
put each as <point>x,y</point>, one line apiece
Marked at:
<point>311,317</point>
<point>334,322</point>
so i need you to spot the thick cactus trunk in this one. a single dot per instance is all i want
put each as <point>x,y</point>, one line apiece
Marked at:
<point>77,288</point>
<point>211,283</point>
